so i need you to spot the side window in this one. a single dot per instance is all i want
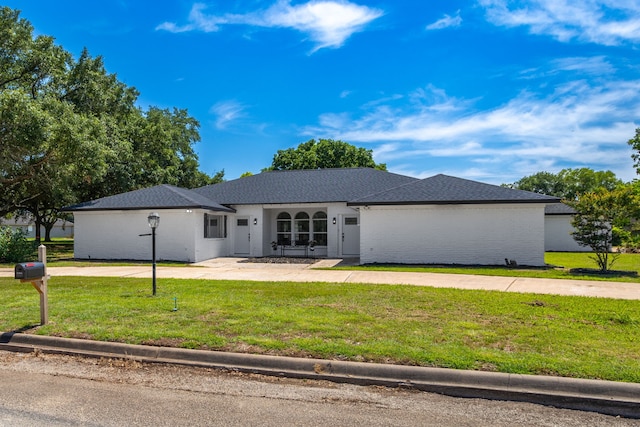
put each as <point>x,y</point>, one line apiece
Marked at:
<point>215,226</point>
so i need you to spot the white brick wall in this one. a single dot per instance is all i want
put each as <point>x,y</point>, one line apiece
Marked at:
<point>116,235</point>
<point>557,235</point>
<point>453,234</point>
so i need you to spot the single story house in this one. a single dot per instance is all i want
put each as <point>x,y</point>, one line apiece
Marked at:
<point>60,228</point>
<point>558,229</point>
<point>377,216</point>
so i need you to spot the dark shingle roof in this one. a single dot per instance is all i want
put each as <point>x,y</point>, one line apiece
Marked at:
<point>559,209</point>
<point>303,186</point>
<point>356,186</point>
<point>443,189</point>
<point>158,197</point>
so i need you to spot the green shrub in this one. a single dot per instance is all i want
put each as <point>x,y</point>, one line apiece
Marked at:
<point>14,246</point>
<point>627,239</point>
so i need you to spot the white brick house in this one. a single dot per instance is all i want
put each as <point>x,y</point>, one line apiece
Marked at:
<point>558,229</point>
<point>377,216</point>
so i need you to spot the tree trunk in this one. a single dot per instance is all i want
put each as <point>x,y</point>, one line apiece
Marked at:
<point>38,223</point>
<point>48,226</point>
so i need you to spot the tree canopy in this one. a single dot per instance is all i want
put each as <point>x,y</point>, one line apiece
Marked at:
<point>70,131</point>
<point>324,154</point>
<point>635,144</point>
<point>568,184</point>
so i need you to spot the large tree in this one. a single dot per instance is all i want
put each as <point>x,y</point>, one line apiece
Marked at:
<point>27,64</point>
<point>71,152</point>
<point>323,154</point>
<point>70,131</point>
<point>568,184</point>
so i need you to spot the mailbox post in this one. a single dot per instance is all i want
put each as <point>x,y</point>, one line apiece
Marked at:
<point>36,274</point>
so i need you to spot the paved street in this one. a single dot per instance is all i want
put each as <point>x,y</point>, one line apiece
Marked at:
<point>66,391</point>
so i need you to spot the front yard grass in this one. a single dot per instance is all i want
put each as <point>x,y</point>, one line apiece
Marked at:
<point>463,329</point>
<point>60,254</point>
<point>559,267</point>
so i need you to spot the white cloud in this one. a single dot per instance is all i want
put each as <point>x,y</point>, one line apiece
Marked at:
<point>446,22</point>
<point>592,66</point>
<point>197,21</point>
<point>577,124</point>
<point>607,22</point>
<point>226,112</point>
<point>328,23</point>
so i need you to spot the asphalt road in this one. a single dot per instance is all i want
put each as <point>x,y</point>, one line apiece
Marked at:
<point>54,390</point>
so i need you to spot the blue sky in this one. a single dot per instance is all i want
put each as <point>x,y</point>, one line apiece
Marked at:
<point>490,90</point>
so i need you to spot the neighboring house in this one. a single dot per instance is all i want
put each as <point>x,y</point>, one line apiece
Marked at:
<point>60,229</point>
<point>558,229</point>
<point>377,216</point>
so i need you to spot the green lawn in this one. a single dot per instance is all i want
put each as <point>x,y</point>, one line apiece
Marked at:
<point>60,254</point>
<point>59,250</point>
<point>559,266</point>
<point>627,262</point>
<point>505,332</point>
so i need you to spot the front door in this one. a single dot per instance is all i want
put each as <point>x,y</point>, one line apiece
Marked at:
<point>243,238</point>
<point>350,235</point>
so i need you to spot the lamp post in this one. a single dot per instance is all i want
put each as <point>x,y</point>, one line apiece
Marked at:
<point>154,222</point>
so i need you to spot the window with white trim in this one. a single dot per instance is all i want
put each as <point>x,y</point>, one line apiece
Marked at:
<point>215,226</point>
<point>301,229</point>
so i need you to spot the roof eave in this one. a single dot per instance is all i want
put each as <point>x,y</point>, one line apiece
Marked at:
<point>454,202</point>
<point>211,208</point>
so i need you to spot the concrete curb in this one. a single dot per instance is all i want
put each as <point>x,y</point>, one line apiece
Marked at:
<point>607,397</point>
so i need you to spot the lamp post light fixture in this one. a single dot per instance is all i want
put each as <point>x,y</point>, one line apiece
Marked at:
<point>154,222</point>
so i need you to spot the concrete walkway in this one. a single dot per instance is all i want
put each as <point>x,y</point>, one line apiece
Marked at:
<point>240,269</point>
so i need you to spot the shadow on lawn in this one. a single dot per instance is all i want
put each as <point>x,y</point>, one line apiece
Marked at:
<point>592,272</point>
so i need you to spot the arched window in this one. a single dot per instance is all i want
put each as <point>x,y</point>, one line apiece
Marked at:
<point>284,228</point>
<point>301,228</point>
<point>320,228</point>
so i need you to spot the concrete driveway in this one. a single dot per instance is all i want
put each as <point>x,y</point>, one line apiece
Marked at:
<point>240,269</point>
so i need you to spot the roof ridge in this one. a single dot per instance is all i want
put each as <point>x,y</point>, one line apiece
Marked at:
<point>319,169</point>
<point>174,189</point>
<point>389,189</point>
